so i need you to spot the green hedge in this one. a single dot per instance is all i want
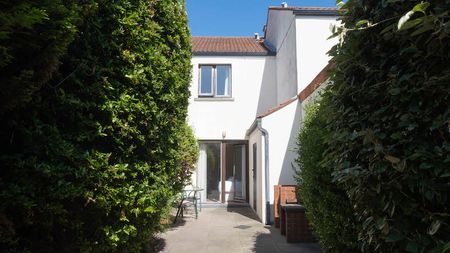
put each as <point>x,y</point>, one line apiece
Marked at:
<point>328,208</point>
<point>34,35</point>
<point>390,142</point>
<point>94,134</point>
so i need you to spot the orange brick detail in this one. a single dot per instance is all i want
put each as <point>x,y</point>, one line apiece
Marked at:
<point>316,82</point>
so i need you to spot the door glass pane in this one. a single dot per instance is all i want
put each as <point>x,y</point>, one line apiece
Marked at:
<point>223,81</point>
<point>212,151</point>
<point>255,169</point>
<point>239,171</point>
<point>201,171</point>
<point>229,173</point>
<point>205,80</point>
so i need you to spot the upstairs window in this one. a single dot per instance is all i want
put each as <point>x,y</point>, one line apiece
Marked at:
<point>214,81</point>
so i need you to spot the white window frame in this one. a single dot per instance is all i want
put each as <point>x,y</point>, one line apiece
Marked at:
<point>200,94</point>
<point>213,93</point>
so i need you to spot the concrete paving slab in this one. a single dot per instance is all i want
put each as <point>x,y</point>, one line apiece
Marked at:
<point>230,230</point>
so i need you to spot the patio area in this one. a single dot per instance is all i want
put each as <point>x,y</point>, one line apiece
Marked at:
<point>227,229</point>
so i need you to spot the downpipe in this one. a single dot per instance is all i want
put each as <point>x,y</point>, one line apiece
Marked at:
<point>266,169</point>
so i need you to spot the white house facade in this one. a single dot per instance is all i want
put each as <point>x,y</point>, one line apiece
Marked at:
<point>247,100</point>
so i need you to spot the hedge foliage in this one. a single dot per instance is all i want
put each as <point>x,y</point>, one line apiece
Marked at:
<point>93,106</point>
<point>390,122</point>
<point>328,208</point>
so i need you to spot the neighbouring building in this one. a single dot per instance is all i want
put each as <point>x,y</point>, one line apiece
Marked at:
<point>247,104</point>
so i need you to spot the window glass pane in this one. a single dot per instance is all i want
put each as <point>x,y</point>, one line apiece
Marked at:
<point>223,81</point>
<point>206,80</point>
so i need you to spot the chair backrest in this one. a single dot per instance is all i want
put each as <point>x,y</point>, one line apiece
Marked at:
<point>188,187</point>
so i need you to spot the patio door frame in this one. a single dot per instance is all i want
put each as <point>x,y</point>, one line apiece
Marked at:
<point>244,174</point>
<point>205,173</point>
<point>223,164</point>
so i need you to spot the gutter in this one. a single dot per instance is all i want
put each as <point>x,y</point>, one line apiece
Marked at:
<point>211,53</point>
<point>316,12</point>
<point>257,124</point>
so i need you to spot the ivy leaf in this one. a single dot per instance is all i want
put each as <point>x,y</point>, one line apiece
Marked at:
<point>446,247</point>
<point>392,159</point>
<point>362,22</point>
<point>403,19</point>
<point>340,4</point>
<point>425,27</point>
<point>446,174</point>
<point>393,236</point>
<point>388,28</point>
<point>403,23</point>
<point>412,247</point>
<point>434,227</point>
<point>422,7</point>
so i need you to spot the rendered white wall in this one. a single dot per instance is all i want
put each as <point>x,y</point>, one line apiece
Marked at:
<point>277,27</point>
<point>283,126</point>
<point>256,137</point>
<point>253,89</point>
<point>312,46</point>
<point>281,36</point>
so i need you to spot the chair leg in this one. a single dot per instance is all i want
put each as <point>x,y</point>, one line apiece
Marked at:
<point>200,199</point>
<point>195,206</point>
<point>179,211</point>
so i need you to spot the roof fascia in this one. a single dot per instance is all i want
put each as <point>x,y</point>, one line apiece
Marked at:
<point>270,53</point>
<point>322,13</point>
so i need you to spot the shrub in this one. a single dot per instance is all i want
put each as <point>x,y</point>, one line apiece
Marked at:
<point>390,141</point>
<point>33,37</point>
<point>328,208</point>
<point>189,156</point>
<point>93,158</point>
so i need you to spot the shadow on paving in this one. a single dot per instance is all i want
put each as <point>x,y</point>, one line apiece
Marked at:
<point>181,221</point>
<point>226,230</point>
<point>276,243</point>
<point>156,244</point>
<point>244,211</point>
<point>272,241</point>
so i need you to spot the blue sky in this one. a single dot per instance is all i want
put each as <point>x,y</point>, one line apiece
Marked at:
<point>236,17</point>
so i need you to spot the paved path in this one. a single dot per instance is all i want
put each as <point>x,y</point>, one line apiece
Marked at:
<point>230,230</point>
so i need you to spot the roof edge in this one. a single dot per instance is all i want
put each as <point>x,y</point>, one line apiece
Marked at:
<point>220,37</point>
<point>305,93</point>
<point>277,108</point>
<point>316,12</point>
<point>316,82</point>
<point>270,53</point>
<point>308,11</point>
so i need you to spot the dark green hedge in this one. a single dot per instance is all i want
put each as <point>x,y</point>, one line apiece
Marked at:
<point>390,142</point>
<point>34,35</point>
<point>329,210</point>
<point>94,139</point>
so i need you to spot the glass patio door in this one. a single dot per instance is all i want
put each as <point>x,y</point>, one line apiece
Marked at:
<point>239,172</point>
<point>209,171</point>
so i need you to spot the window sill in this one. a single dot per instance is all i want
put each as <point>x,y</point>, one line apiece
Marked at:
<point>216,99</point>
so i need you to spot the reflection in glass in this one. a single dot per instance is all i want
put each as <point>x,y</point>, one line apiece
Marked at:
<point>223,81</point>
<point>212,151</point>
<point>206,80</point>
<point>239,171</point>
